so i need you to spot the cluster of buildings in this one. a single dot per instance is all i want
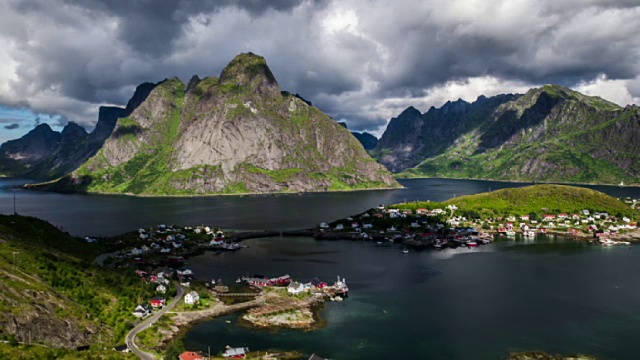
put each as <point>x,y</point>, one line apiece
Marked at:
<point>574,224</point>
<point>162,280</point>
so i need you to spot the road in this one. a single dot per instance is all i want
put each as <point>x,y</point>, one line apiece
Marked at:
<point>145,324</point>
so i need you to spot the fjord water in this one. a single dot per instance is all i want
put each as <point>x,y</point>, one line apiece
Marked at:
<point>104,215</point>
<point>552,295</point>
<point>562,297</point>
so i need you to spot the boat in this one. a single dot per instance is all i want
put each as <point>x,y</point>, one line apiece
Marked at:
<point>260,280</point>
<point>510,233</point>
<point>232,246</point>
<point>405,251</point>
<point>472,243</point>
<point>379,243</point>
<point>340,287</point>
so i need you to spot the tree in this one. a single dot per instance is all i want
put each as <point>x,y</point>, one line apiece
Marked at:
<point>174,350</point>
<point>534,216</point>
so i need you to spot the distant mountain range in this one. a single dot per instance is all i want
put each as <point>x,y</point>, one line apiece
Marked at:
<point>238,133</point>
<point>47,154</point>
<point>550,134</point>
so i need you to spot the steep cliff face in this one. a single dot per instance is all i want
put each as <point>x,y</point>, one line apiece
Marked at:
<point>550,133</point>
<point>235,134</point>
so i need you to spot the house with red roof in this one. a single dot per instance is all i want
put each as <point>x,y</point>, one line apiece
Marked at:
<point>158,301</point>
<point>190,355</point>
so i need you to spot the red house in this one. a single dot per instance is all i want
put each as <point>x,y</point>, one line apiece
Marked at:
<point>190,355</point>
<point>318,284</point>
<point>158,301</point>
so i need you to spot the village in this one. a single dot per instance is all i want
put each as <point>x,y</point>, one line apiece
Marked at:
<point>159,257</point>
<point>448,227</point>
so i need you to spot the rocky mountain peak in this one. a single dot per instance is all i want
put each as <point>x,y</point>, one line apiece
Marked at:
<point>140,95</point>
<point>409,112</point>
<point>43,128</point>
<point>195,80</point>
<point>73,131</point>
<point>250,70</point>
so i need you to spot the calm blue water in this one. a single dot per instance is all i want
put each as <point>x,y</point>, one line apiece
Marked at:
<point>483,303</point>
<point>100,215</point>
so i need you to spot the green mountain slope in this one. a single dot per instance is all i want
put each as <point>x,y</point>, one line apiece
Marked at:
<point>543,198</point>
<point>234,134</point>
<point>51,294</point>
<point>550,134</point>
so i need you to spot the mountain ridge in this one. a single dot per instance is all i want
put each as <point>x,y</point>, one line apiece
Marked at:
<point>549,134</point>
<point>237,133</point>
<point>47,154</point>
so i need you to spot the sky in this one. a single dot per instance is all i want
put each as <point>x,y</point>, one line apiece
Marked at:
<point>362,62</point>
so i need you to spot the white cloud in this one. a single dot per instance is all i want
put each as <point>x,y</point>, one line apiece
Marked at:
<point>616,91</point>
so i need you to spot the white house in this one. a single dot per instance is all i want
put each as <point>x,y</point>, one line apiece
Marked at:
<point>165,250</point>
<point>191,298</point>
<point>415,225</point>
<point>324,225</point>
<point>141,311</point>
<point>367,226</point>
<point>295,288</point>
<point>161,289</point>
<point>143,236</point>
<point>339,227</point>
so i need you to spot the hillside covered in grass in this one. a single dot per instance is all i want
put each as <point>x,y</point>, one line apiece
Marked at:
<point>538,199</point>
<point>549,134</point>
<point>52,295</point>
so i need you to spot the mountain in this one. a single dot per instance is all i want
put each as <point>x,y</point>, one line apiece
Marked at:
<point>368,141</point>
<point>52,294</point>
<point>238,133</point>
<point>47,154</point>
<point>550,134</point>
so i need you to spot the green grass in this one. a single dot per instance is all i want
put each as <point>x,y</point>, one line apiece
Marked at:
<point>62,266</point>
<point>542,199</point>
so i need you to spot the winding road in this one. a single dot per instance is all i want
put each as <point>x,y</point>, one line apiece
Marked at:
<point>145,324</point>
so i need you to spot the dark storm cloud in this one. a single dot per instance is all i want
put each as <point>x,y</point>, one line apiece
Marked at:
<point>152,27</point>
<point>361,61</point>
<point>12,126</point>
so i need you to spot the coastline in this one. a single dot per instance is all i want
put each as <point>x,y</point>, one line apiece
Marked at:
<point>33,187</point>
<point>634,185</point>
